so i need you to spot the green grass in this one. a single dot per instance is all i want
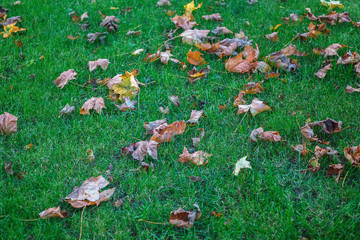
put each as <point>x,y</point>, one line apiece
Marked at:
<point>274,200</point>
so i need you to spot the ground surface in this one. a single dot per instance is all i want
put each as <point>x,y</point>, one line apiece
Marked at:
<point>273,200</point>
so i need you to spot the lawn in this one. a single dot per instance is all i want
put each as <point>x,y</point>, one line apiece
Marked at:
<point>277,199</point>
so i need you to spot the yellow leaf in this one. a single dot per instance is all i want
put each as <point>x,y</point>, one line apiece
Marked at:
<point>114,8</point>
<point>10,29</point>
<point>276,27</point>
<point>332,4</point>
<point>190,7</point>
<point>128,87</point>
<point>42,57</point>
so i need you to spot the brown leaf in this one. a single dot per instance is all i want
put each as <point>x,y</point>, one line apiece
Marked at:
<point>143,148</point>
<point>163,3</point>
<point>64,78</point>
<point>9,168</point>
<point>83,16</point>
<point>198,158</point>
<point>239,99</point>
<point>52,212</point>
<point>322,72</point>
<point>150,126</point>
<point>357,69</point>
<point>93,103</point>
<point>331,17</point>
<point>194,36</point>
<point>146,167</point>
<point>281,59</point>
<point>257,106</point>
<point>239,64</point>
<point>175,100</point>
<point>221,30</point>
<point>67,110</point>
<point>133,33</point>
<point>72,37</point>
<point>89,193</point>
<point>209,48</point>
<point>292,18</point>
<point>165,132</point>
<point>195,58</point>
<point>91,156</point>
<point>8,123</point>
<point>195,116</point>
<point>302,149</point>
<point>330,126</point>
<point>103,63</point>
<point>183,22</point>
<point>195,75</point>
<point>335,169</point>
<point>309,15</point>
<point>332,49</point>
<point>353,155</point>
<point>91,37</point>
<point>127,105</point>
<point>164,111</point>
<point>253,88</point>
<point>344,17</point>
<point>196,179</point>
<point>213,17</point>
<point>109,23</point>
<point>349,58</point>
<point>184,219</point>
<point>272,136</point>
<point>350,89</point>
<point>272,37</point>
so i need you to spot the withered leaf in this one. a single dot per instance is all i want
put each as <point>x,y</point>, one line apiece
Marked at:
<point>8,123</point>
<point>272,37</point>
<point>183,22</point>
<point>195,116</point>
<point>103,63</point>
<point>253,88</point>
<point>163,3</point>
<point>332,49</point>
<point>184,219</point>
<point>239,99</point>
<point>67,110</point>
<point>9,168</point>
<point>221,30</point>
<point>109,23</point>
<point>83,16</point>
<point>165,132</point>
<point>89,193</point>
<point>91,37</point>
<point>335,169</point>
<point>127,105</point>
<point>194,36</point>
<point>195,75</point>
<point>64,78</point>
<point>322,72</point>
<point>150,126</point>
<point>213,17</point>
<point>133,33</point>
<point>242,163</point>
<point>353,155</point>
<point>93,103</point>
<point>91,156</point>
<point>52,212</point>
<point>143,148</point>
<point>198,158</point>
<point>350,89</point>
<point>329,125</point>
<point>194,58</point>
<point>257,106</point>
<point>209,48</point>
<point>292,18</point>
<point>349,58</point>
<point>124,86</point>
<point>175,100</point>
<point>239,64</point>
<point>85,26</point>
<point>272,136</point>
<point>302,149</point>
<point>11,21</point>
<point>145,167</point>
<point>164,111</point>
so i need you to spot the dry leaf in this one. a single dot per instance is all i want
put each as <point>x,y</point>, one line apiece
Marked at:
<point>253,88</point>
<point>332,49</point>
<point>29,146</point>
<point>52,212</point>
<point>331,4</point>
<point>138,52</point>
<point>91,37</point>
<point>272,136</point>
<point>91,156</point>
<point>195,75</point>
<point>164,111</point>
<point>194,36</point>
<point>322,72</point>
<point>9,168</point>
<point>353,155</point>
<point>89,193</point>
<point>195,58</point>
<point>86,25</point>
<point>143,148</point>
<point>83,16</point>
<point>93,103</point>
<point>165,132</point>
<point>183,22</point>
<point>198,158</point>
<point>127,105</point>
<point>257,106</point>
<point>146,167</point>
<point>272,37</point>
<point>239,99</point>
<point>163,3</point>
<point>302,149</point>
<point>109,23</point>
<point>330,126</point>
<point>8,123</point>
<point>195,116</point>
<point>239,64</point>
<point>349,58</point>
<point>242,163</point>
<point>221,30</point>
<point>210,48</point>
<point>335,169</point>
<point>175,100</point>
<point>292,18</point>
<point>184,219</point>
<point>124,86</point>
<point>150,126</point>
<point>103,63</point>
<point>72,37</point>
<point>190,7</point>
<point>66,110</point>
<point>133,33</point>
<point>64,78</point>
<point>350,89</point>
<point>213,17</point>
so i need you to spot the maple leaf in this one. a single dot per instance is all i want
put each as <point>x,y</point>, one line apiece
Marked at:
<point>83,16</point>
<point>133,33</point>
<point>344,17</point>
<point>124,85</point>
<point>163,3</point>
<point>253,87</point>
<point>213,17</point>
<point>194,58</point>
<point>198,158</point>
<point>221,30</point>
<point>184,219</point>
<point>183,22</point>
<point>322,72</point>
<point>350,89</point>
<point>257,106</point>
<point>52,212</point>
<point>91,37</point>
<point>8,123</point>
<point>103,63</point>
<point>10,29</point>
<point>164,58</point>
<point>329,125</point>
<point>89,193</point>
<point>190,7</point>
<point>292,18</point>
<point>242,163</point>
<point>309,15</point>
<point>93,103</point>
<point>109,23</point>
<point>331,4</point>
<point>239,64</point>
<point>209,48</point>
<point>335,169</point>
<point>10,21</point>
<point>308,133</point>
<point>150,126</point>
<point>272,37</point>
<point>144,148</point>
<point>127,105</point>
<point>165,132</point>
<point>302,149</point>
<point>195,75</point>
<point>66,110</point>
<point>331,17</point>
<point>281,58</point>
<point>194,36</point>
<point>353,155</point>
<point>195,116</point>
<point>272,136</point>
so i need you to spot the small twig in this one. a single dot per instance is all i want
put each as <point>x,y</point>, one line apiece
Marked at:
<point>141,220</point>
<point>240,122</point>
<point>291,40</point>
<point>81,222</point>
<point>28,220</point>
<point>342,185</point>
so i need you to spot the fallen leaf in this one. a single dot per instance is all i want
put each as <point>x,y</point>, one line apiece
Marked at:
<point>353,155</point>
<point>19,44</point>
<point>198,158</point>
<point>91,156</point>
<point>64,78</point>
<point>72,37</point>
<point>242,163</point>
<point>109,23</point>
<point>137,52</point>
<point>190,7</point>
<point>165,132</point>
<point>86,25</point>
<point>331,4</point>
<point>83,16</point>
<point>292,18</point>
<point>150,126</point>
<point>196,179</point>
<point>52,212</point>
<point>184,219</point>
<point>276,27</point>
<point>302,149</point>
<point>163,3</point>
<point>335,169</point>
<point>66,110</point>
<point>124,86</point>
<point>194,36</point>
<point>322,72</point>
<point>183,22</point>
<point>210,48</point>
<point>89,193</point>
<point>350,89</point>
<point>239,64</point>
<point>133,33</point>
<point>93,103</point>
<point>146,167</point>
<point>257,106</point>
<point>10,29</point>
<point>9,168</point>
<point>281,59</point>
<point>272,136</point>
<point>29,146</point>
<point>175,100</point>
<point>17,3</point>
<point>329,125</point>
<point>272,37</point>
<point>164,111</point>
<point>349,58</point>
<point>8,123</point>
<point>195,75</point>
<point>194,58</point>
<point>195,116</point>
<point>239,99</point>
<point>103,63</point>
<point>127,105</point>
<point>221,30</point>
<point>332,49</point>
<point>143,148</point>
<point>91,37</point>
<point>253,88</point>
<point>213,17</point>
